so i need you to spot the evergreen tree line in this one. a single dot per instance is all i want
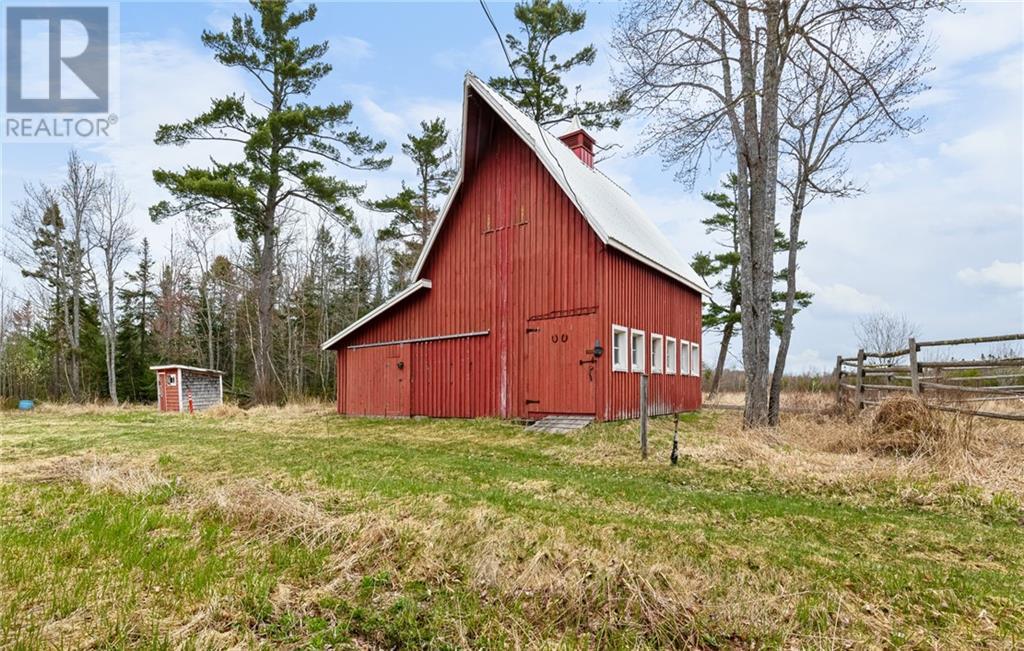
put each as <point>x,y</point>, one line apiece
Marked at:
<point>196,301</point>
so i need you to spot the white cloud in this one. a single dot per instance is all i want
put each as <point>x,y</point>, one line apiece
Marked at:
<point>1008,275</point>
<point>982,28</point>
<point>349,50</point>
<point>386,122</point>
<point>808,360</point>
<point>842,298</point>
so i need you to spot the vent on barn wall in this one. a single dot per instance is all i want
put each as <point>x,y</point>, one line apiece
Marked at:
<point>580,142</point>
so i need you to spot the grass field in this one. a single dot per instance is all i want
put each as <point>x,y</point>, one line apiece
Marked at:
<point>295,527</point>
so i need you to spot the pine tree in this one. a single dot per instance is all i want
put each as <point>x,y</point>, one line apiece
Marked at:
<point>134,332</point>
<point>414,210</point>
<point>721,272</point>
<point>287,145</point>
<point>536,84</point>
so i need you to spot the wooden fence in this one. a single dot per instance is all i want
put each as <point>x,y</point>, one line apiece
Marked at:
<point>948,385</point>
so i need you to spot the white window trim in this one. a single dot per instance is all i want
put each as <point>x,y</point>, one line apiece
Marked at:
<point>172,379</point>
<point>695,353</point>
<point>684,354</point>
<point>622,367</point>
<point>660,368</point>
<point>181,404</point>
<point>642,366</point>
<point>674,357</point>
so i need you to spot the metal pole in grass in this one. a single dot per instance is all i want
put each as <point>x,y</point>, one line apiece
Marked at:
<point>915,379</point>
<point>860,379</point>
<point>674,457</point>
<point>643,415</point>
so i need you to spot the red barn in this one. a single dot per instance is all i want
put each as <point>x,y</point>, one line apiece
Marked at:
<point>538,264</point>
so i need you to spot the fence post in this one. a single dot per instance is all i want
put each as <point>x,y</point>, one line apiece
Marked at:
<point>860,379</point>
<point>915,380</point>
<point>838,373</point>
<point>643,415</point>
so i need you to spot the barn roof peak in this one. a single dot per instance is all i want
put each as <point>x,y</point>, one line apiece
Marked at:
<point>609,210</point>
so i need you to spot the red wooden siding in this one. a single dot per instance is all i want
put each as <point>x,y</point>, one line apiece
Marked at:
<point>168,398</point>
<point>515,254</point>
<point>644,299</point>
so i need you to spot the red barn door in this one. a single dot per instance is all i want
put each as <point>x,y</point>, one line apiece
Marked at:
<point>377,381</point>
<point>559,372</point>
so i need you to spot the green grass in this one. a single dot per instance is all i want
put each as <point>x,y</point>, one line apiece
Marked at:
<point>448,534</point>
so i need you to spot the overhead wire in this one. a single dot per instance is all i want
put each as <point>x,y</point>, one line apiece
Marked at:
<point>522,89</point>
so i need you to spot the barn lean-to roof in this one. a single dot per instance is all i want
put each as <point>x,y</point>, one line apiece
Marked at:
<point>610,211</point>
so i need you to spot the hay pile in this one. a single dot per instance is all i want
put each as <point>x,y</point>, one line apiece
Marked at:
<point>905,426</point>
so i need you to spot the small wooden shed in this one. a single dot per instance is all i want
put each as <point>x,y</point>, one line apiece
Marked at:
<point>188,388</point>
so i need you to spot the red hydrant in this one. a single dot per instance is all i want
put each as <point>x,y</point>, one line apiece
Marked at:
<point>191,410</point>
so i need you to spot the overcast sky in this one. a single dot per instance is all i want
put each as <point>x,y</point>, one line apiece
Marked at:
<point>939,235</point>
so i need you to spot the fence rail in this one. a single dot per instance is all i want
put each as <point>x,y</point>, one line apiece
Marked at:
<point>948,385</point>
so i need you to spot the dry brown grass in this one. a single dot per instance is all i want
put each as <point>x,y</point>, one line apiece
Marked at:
<point>900,439</point>
<point>262,511</point>
<point>96,408</point>
<point>118,474</point>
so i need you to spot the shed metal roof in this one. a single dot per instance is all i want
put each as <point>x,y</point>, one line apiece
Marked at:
<point>196,369</point>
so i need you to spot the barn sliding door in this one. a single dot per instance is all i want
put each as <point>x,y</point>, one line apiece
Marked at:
<point>377,381</point>
<point>559,370</point>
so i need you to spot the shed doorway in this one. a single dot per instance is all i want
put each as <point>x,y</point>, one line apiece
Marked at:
<point>560,366</point>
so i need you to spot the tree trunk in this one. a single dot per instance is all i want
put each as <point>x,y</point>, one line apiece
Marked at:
<point>111,341</point>
<point>74,335</point>
<point>757,229</point>
<point>264,389</point>
<point>723,352</point>
<point>796,214</point>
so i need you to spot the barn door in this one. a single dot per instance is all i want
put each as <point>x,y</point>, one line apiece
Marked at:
<point>396,375</point>
<point>560,372</point>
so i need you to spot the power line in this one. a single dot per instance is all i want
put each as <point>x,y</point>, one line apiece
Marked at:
<point>519,83</point>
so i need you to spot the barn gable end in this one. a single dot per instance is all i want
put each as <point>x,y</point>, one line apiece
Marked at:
<point>512,296</point>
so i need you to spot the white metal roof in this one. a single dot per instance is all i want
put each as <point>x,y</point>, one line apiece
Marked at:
<point>164,367</point>
<point>380,309</point>
<point>613,215</point>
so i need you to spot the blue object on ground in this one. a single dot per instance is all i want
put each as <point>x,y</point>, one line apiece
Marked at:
<point>25,405</point>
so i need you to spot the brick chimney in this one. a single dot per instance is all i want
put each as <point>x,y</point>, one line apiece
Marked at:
<point>580,142</point>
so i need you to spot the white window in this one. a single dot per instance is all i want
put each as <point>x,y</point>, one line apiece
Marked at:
<point>637,352</point>
<point>671,356</point>
<point>695,359</point>
<point>172,379</point>
<point>620,348</point>
<point>684,357</point>
<point>657,353</point>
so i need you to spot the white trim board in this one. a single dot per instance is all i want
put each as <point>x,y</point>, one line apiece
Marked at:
<point>380,309</point>
<point>421,340</point>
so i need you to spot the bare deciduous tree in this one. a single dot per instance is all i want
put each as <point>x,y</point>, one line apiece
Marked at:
<point>711,76</point>
<point>110,235</point>
<point>884,332</point>
<point>824,115</point>
<point>80,193</point>
<point>199,240</point>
